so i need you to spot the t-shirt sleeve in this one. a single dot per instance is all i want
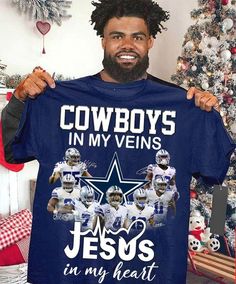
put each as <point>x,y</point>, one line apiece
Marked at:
<point>212,148</point>
<point>25,146</point>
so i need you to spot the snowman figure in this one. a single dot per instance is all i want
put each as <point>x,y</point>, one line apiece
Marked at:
<point>199,236</point>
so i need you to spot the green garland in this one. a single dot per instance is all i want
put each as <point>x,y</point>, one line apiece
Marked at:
<point>44,10</point>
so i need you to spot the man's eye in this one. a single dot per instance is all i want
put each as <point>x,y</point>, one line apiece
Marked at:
<point>116,37</point>
<point>139,38</point>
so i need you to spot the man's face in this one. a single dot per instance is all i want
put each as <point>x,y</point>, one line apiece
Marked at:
<point>126,43</point>
<point>115,199</point>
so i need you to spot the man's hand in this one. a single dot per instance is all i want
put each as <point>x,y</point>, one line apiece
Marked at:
<point>34,84</point>
<point>205,100</point>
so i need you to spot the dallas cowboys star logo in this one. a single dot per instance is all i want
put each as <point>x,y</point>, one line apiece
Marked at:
<point>114,176</point>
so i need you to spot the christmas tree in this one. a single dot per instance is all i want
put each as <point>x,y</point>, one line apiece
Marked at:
<point>208,61</point>
<point>2,75</point>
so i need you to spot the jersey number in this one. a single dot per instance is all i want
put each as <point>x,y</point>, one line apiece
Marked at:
<point>117,223</point>
<point>68,201</point>
<point>159,208</point>
<point>85,218</point>
<point>76,175</point>
<point>167,178</point>
<point>138,225</point>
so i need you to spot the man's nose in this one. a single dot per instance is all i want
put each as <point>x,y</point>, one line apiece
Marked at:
<point>127,42</point>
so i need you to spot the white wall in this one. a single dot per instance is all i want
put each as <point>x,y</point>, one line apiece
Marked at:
<point>74,50</point>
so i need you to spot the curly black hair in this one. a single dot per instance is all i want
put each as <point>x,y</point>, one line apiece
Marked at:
<point>148,10</point>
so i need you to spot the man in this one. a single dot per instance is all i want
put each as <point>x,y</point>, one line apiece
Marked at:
<point>62,202</point>
<point>162,169</point>
<point>72,165</point>
<point>162,202</point>
<point>121,113</point>
<point>85,208</point>
<point>139,209</point>
<point>113,215</point>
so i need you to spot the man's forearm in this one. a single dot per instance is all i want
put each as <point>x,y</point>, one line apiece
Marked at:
<point>11,115</point>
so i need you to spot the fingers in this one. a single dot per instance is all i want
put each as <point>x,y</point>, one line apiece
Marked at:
<point>190,93</point>
<point>34,84</point>
<point>205,100</point>
<point>44,76</point>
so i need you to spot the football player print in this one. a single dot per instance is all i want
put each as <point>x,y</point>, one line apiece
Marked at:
<point>163,202</point>
<point>72,164</point>
<point>62,201</point>
<point>162,168</point>
<point>140,209</point>
<point>112,215</point>
<point>85,208</point>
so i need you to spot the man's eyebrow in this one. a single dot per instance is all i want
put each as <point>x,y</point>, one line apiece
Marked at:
<point>139,33</point>
<point>133,34</point>
<point>116,33</point>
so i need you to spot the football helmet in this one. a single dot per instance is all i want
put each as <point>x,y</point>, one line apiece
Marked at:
<point>114,195</point>
<point>160,185</point>
<point>162,157</point>
<point>72,155</point>
<point>140,197</point>
<point>68,182</point>
<point>87,195</point>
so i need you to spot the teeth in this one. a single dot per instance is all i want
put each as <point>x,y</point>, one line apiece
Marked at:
<point>127,57</point>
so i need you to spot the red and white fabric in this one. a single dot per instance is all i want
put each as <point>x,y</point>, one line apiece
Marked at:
<point>16,253</point>
<point>15,228</point>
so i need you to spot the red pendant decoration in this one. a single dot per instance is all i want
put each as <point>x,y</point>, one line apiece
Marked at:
<point>43,28</point>
<point>193,194</point>
<point>233,50</point>
<point>224,2</point>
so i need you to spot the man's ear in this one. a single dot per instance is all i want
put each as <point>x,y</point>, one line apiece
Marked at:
<point>103,41</point>
<point>150,42</point>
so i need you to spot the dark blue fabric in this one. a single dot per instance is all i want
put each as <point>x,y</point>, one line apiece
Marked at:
<point>199,145</point>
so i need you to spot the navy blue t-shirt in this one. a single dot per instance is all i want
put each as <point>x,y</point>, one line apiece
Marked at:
<point>118,130</point>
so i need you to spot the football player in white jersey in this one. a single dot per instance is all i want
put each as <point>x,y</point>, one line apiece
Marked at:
<point>71,165</point>
<point>140,209</point>
<point>85,208</point>
<point>162,169</point>
<point>162,202</point>
<point>62,201</point>
<point>113,215</point>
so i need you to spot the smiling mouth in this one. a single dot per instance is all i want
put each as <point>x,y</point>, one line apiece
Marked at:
<point>127,58</point>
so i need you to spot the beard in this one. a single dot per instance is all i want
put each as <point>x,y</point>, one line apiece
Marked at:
<point>125,74</point>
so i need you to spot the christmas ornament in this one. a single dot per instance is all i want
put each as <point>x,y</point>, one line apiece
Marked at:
<point>225,55</point>
<point>43,28</point>
<point>224,2</point>
<point>227,24</point>
<point>189,45</point>
<point>234,78</point>
<point>193,194</point>
<point>233,50</point>
<point>205,85</point>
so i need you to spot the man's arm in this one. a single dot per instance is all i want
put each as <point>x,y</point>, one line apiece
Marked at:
<point>32,86</point>
<point>54,177</point>
<point>11,115</point>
